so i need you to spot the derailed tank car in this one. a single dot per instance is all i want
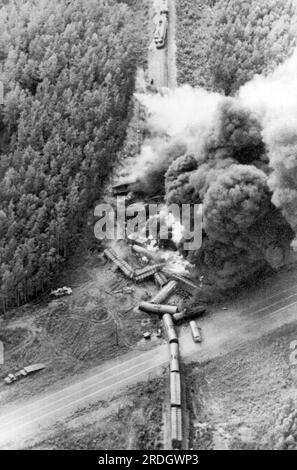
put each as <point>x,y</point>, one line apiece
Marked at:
<point>169,328</point>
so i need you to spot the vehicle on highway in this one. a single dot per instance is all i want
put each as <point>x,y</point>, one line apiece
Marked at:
<point>161,31</point>
<point>164,9</point>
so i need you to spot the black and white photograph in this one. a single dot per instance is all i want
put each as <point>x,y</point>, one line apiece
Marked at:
<point>148,229</point>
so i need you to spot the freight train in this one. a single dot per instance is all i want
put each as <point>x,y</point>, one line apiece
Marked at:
<point>175,383</point>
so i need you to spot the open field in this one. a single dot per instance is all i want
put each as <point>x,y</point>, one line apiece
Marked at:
<point>239,400</point>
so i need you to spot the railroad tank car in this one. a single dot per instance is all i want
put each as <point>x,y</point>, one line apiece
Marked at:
<point>160,279</point>
<point>189,314</point>
<point>175,389</point>
<point>119,262</point>
<point>176,427</point>
<point>174,357</point>
<point>144,273</point>
<point>165,292</point>
<point>195,330</point>
<point>157,308</point>
<point>169,328</point>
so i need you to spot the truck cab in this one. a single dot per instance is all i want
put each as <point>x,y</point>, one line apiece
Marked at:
<point>164,10</point>
<point>161,32</point>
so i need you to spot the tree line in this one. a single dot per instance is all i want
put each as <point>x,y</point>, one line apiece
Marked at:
<point>68,70</point>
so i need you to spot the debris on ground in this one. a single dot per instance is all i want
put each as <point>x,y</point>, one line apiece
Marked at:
<point>159,333</point>
<point>125,290</point>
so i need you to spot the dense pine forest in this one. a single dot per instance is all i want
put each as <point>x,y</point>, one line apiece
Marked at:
<point>221,44</point>
<point>68,70</point>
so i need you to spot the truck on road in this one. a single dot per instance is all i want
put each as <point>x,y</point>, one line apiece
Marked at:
<point>161,31</point>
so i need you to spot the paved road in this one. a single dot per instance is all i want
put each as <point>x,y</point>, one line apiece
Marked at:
<point>222,333</point>
<point>161,62</point>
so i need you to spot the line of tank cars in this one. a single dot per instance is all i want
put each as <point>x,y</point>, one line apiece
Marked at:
<point>175,376</point>
<point>162,25</point>
<point>175,382</point>
<point>170,315</point>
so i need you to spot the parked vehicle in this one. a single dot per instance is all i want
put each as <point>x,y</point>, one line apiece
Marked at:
<point>13,377</point>
<point>62,291</point>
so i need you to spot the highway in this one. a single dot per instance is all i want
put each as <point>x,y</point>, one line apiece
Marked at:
<point>222,332</point>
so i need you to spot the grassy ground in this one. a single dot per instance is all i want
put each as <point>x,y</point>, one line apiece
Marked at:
<point>133,421</point>
<point>246,399</point>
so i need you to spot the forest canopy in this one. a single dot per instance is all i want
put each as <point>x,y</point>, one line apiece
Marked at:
<point>68,70</point>
<point>222,44</point>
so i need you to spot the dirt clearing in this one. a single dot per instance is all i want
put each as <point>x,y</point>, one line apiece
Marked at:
<point>74,333</point>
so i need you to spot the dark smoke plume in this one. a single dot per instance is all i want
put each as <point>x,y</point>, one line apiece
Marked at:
<point>239,161</point>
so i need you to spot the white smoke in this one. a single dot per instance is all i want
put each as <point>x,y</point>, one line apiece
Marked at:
<point>275,96</point>
<point>181,112</point>
<point>274,99</point>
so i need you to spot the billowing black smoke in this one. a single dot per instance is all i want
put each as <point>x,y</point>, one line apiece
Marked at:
<point>236,156</point>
